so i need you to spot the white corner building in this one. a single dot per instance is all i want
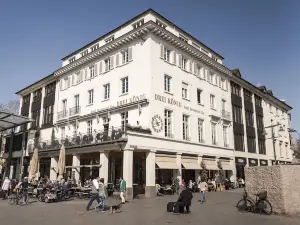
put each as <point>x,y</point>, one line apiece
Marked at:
<point>149,102</point>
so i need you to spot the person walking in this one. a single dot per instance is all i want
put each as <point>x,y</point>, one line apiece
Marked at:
<point>122,190</point>
<point>94,192</point>
<point>5,187</point>
<point>203,189</point>
<point>102,195</point>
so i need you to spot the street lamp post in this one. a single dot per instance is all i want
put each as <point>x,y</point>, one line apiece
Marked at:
<point>274,139</point>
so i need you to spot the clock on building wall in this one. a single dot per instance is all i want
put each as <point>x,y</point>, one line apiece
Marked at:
<point>157,123</point>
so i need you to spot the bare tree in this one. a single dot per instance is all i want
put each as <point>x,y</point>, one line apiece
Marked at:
<point>10,107</point>
<point>297,149</point>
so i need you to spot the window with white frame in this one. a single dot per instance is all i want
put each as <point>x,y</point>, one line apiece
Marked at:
<point>212,102</point>
<point>281,149</point>
<point>90,127</point>
<point>84,53</point>
<point>125,56</point>
<point>92,71</point>
<point>185,127</point>
<point>199,96</point>
<point>168,123</point>
<point>287,150</point>
<point>211,78</point>
<point>184,89</point>
<point>76,101</point>
<point>225,136</point>
<point>64,105</point>
<point>63,132</point>
<point>124,120</point>
<point>200,131</point>
<point>91,96</point>
<point>124,83</point>
<point>74,130</point>
<point>214,133</point>
<point>106,120</point>
<point>72,59</point>
<point>78,78</point>
<point>167,83</point>
<point>110,39</point>
<point>223,105</point>
<point>106,91</point>
<point>95,47</point>
<point>107,63</point>
<point>223,83</point>
<point>166,54</point>
<point>66,82</point>
<point>184,62</point>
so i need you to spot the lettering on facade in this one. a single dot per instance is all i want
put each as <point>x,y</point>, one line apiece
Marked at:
<point>172,101</point>
<point>132,99</point>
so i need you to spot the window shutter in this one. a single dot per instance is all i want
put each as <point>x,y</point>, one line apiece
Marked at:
<point>117,59</point>
<point>73,79</point>
<point>69,81</point>
<point>174,58</point>
<point>100,67</point>
<point>196,72</point>
<point>96,69</point>
<point>130,54</point>
<point>180,61</point>
<point>85,74</point>
<point>61,84</point>
<point>161,51</point>
<point>111,62</point>
<point>81,76</point>
<point>191,66</point>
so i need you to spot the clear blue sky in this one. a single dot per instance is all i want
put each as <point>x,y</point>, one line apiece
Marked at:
<point>261,38</point>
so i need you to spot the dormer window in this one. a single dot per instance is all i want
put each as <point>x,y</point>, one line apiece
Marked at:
<point>183,38</point>
<point>161,24</point>
<point>84,53</point>
<point>72,59</point>
<point>95,47</point>
<point>110,39</point>
<point>138,24</point>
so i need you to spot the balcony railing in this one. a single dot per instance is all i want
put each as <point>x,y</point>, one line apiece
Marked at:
<point>62,115</point>
<point>225,114</point>
<point>74,111</point>
<point>104,136</point>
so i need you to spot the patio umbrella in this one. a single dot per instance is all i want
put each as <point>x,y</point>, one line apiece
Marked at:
<point>61,162</point>
<point>34,164</point>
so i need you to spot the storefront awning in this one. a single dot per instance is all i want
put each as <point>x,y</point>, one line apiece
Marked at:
<point>190,163</point>
<point>191,166</point>
<point>226,165</point>
<point>167,165</point>
<point>211,164</point>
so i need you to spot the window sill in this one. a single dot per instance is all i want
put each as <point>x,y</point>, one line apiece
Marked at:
<point>123,94</point>
<point>172,64</point>
<point>214,109</point>
<point>105,100</point>
<point>169,93</point>
<point>89,104</point>
<point>200,104</point>
<point>186,99</point>
<point>124,64</point>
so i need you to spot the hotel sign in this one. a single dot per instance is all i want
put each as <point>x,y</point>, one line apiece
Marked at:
<point>174,102</point>
<point>132,99</point>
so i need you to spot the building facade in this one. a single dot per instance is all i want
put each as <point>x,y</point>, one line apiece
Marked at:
<point>148,102</point>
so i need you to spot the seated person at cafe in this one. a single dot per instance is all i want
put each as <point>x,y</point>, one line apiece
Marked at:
<point>185,200</point>
<point>158,191</point>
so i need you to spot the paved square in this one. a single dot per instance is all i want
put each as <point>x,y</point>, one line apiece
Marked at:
<point>219,209</point>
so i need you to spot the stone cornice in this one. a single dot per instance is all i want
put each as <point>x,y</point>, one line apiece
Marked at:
<point>189,49</point>
<point>115,44</point>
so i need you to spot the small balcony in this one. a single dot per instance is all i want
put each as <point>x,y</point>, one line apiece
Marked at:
<point>225,115</point>
<point>62,115</point>
<point>74,111</point>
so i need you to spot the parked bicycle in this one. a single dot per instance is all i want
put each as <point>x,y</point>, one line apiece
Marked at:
<point>261,204</point>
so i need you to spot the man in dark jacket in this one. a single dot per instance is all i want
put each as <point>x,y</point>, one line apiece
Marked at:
<point>185,200</point>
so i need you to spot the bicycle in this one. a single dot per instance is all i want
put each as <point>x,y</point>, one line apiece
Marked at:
<point>261,204</point>
<point>19,197</point>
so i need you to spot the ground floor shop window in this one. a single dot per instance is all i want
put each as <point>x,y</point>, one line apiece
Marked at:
<point>164,176</point>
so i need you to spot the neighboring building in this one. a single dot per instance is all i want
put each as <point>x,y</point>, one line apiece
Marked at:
<point>254,109</point>
<point>146,101</point>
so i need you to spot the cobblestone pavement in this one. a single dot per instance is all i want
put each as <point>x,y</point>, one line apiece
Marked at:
<point>219,209</point>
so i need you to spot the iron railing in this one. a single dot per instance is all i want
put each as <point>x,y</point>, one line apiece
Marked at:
<point>74,111</point>
<point>225,114</point>
<point>81,139</point>
<point>62,115</point>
